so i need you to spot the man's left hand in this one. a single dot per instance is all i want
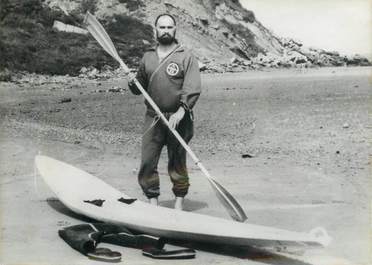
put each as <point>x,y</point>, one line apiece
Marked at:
<point>175,118</point>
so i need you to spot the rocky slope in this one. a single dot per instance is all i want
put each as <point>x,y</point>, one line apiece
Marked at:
<point>223,35</point>
<point>222,30</point>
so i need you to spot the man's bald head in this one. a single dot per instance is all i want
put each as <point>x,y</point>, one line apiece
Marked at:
<point>161,16</point>
<point>165,27</point>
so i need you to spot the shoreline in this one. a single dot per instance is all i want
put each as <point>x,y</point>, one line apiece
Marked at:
<point>15,77</point>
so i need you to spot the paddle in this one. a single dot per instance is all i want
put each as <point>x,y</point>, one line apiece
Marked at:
<point>232,206</point>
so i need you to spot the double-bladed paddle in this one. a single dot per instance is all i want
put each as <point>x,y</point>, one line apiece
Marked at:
<point>232,206</point>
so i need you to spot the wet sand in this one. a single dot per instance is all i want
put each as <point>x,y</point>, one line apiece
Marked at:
<point>308,132</point>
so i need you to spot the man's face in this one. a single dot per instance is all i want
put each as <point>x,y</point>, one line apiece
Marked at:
<point>165,30</point>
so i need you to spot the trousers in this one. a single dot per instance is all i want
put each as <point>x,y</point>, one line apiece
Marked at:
<point>155,137</point>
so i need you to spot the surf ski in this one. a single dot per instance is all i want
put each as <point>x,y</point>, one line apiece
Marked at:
<point>88,195</point>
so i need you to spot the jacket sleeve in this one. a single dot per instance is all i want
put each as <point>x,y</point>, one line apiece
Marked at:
<point>192,83</point>
<point>141,77</point>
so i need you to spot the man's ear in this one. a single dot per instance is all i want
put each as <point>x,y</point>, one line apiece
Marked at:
<point>155,33</point>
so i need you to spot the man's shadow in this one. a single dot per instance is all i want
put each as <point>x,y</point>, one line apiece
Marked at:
<point>250,253</point>
<point>190,205</point>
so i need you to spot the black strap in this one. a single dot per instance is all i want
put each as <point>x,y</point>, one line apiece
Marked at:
<point>155,253</point>
<point>97,202</point>
<point>127,201</point>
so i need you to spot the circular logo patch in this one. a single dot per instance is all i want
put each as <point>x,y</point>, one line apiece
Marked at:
<point>172,69</point>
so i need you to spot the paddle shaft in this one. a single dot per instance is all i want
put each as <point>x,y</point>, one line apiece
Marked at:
<point>162,117</point>
<point>182,141</point>
<point>175,133</point>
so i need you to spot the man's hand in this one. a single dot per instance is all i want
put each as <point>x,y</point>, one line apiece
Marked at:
<point>175,118</point>
<point>131,77</point>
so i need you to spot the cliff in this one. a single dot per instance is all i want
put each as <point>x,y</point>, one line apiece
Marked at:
<point>223,35</point>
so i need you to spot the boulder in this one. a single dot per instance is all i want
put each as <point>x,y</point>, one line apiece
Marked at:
<point>357,60</point>
<point>247,62</point>
<point>248,16</point>
<point>215,26</point>
<point>332,53</point>
<point>234,60</point>
<point>202,66</point>
<point>204,21</point>
<point>84,70</point>
<point>115,89</point>
<point>5,75</point>
<point>296,57</point>
<point>215,68</point>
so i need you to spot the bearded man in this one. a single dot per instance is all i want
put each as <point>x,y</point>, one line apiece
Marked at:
<point>170,75</point>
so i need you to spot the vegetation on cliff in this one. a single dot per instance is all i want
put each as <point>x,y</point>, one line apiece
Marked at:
<point>225,36</point>
<point>29,42</point>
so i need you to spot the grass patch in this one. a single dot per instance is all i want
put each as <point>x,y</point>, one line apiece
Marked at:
<point>88,5</point>
<point>132,5</point>
<point>29,43</point>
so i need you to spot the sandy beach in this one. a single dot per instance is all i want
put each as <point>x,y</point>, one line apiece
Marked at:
<point>292,146</point>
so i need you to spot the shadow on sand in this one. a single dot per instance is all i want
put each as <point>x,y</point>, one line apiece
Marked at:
<point>190,205</point>
<point>249,253</point>
<point>57,205</point>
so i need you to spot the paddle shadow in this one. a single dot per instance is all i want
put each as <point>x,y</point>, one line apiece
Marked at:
<point>249,253</point>
<point>189,205</point>
<point>58,206</point>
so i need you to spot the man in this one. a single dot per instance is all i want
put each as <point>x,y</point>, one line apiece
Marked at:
<point>170,75</point>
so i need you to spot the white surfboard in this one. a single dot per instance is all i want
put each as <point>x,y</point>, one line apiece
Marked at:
<point>74,186</point>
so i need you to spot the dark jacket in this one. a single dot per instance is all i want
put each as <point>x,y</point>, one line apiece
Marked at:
<point>172,83</point>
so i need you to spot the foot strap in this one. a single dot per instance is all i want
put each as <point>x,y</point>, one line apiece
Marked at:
<point>155,253</point>
<point>104,254</point>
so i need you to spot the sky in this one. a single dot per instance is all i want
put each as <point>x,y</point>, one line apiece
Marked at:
<point>338,25</point>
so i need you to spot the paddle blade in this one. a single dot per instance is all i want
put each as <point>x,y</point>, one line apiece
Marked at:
<point>98,32</point>
<point>231,205</point>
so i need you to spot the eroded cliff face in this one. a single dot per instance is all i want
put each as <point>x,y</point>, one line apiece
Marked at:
<point>221,32</point>
<point>216,30</point>
<point>223,35</point>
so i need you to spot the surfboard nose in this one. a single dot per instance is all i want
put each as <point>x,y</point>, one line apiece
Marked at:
<point>320,235</point>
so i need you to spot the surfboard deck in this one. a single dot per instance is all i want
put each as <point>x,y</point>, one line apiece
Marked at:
<point>87,195</point>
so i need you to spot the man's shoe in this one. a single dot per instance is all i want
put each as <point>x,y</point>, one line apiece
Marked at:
<point>178,205</point>
<point>154,201</point>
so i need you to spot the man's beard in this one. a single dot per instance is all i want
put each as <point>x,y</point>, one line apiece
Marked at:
<point>165,39</point>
